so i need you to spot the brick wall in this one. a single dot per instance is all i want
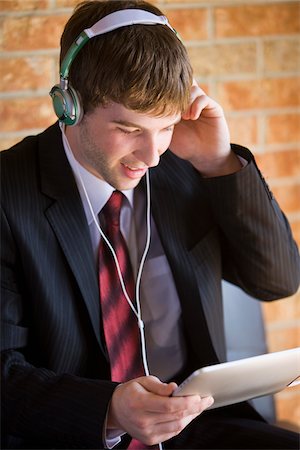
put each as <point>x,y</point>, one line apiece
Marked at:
<point>245,53</point>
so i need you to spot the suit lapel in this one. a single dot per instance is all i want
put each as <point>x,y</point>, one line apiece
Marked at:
<point>67,219</point>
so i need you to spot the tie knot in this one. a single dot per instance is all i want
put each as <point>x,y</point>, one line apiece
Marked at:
<point>112,208</point>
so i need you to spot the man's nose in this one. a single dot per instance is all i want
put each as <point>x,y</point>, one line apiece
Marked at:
<point>149,151</point>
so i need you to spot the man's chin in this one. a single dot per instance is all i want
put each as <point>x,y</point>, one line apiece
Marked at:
<point>125,185</point>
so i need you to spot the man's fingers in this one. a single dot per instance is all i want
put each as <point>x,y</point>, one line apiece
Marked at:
<point>180,411</point>
<point>144,409</point>
<point>201,103</point>
<point>152,433</point>
<point>192,110</point>
<point>155,386</point>
<point>155,399</point>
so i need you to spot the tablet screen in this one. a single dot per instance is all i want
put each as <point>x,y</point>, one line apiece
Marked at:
<point>240,380</point>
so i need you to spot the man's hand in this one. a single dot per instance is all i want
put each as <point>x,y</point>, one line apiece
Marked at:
<point>144,409</point>
<point>202,137</point>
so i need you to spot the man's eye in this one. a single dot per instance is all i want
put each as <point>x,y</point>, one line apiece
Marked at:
<point>126,131</point>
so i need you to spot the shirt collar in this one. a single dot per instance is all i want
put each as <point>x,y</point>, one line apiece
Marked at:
<point>98,191</point>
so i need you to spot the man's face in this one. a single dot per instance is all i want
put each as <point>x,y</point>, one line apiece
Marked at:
<point>118,145</point>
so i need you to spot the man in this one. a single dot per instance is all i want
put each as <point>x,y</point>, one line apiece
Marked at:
<point>127,106</point>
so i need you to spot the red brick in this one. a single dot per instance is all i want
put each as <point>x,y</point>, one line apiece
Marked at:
<point>283,338</point>
<point>223,59</point>
<point>283,128</point>
<point>257,20</point>
<point>21,5</point>
<point>289,309</point>
<point>32,32</point>
<point>260,94</point>
<point>25,113</point>
<point>288,197</point>
<point>295,225</point>
<point>243,130</point>
<point>287,404</point>
<point>67,3</point>
<point>185,1</point>
<point>279,164</point>
<point>191,24</point>
<point>72,3</point>
<point>282,55</point>
<point>26,73</point>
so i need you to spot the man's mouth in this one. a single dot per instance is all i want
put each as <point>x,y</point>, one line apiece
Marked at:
<point>133,171</point>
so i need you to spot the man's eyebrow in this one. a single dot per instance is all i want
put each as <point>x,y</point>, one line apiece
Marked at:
<point>128,124</point>
<point>125,123</point>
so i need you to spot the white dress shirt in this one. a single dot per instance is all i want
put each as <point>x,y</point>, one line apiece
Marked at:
<point>160,306</point>
<point>161,311</point>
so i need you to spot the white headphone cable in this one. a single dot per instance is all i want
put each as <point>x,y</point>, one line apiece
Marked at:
<point>137,310</point>
<point>75,166</point>
<point>139,275</point>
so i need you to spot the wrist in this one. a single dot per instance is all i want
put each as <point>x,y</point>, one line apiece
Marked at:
<point>219,166</point>
<point>112,422</point>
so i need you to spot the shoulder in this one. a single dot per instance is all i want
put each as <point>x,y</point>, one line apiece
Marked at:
<point>23,157</point>
<point>19,151</point>
<point>20,164</point>
<point>22,150</point>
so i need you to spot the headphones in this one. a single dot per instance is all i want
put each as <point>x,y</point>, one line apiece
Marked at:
<point>65,99</point>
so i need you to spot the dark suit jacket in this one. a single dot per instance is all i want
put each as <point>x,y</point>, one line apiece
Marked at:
<point>55,366</point>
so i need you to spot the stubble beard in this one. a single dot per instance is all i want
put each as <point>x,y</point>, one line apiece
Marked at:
<point>96,160</point>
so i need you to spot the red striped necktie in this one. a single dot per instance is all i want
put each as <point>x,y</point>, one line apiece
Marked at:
<point>119,321</point>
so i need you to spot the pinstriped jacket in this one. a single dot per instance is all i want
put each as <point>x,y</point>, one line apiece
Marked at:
<point>55,367</point>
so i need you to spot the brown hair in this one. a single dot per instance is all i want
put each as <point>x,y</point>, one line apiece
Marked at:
<point>145,68</point>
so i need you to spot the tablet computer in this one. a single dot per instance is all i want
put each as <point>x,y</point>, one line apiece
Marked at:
<point>240,380</point>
